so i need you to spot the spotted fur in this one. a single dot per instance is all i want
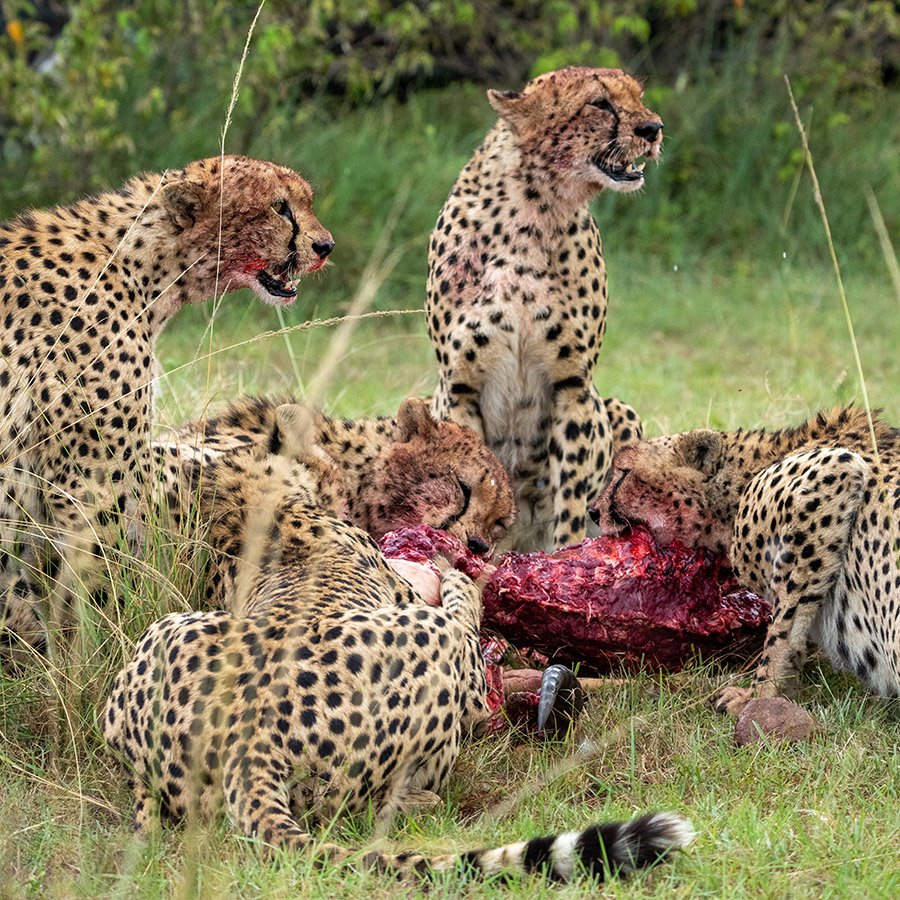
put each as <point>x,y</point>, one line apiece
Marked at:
<point>382,473</point>
<point>517,292</point>
<point>809,516</point>
<point>336,691</point>
<point>84,292</point>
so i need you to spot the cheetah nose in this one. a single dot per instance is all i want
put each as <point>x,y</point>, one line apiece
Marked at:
<point>649,130</point>
<point>322,248</point>
<point>478,546</point>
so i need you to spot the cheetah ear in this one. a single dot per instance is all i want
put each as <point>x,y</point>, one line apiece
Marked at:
<point>512,106</point>
<point>294,432</point>
<point>183,200</point>
<point>414,419</point>
<point>702,450</point>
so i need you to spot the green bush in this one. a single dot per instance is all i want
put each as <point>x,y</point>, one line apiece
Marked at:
<point>146,84</point>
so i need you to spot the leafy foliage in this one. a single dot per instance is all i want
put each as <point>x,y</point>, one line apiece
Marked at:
<point>145,84</point>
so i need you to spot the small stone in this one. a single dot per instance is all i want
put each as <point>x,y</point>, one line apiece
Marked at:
<point>775,718</point>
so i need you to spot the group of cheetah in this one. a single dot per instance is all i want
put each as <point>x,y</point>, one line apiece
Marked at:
<point>317,680</point>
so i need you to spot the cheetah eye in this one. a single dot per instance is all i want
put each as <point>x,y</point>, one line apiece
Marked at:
<point>282,207</point>
<point>602,103</point>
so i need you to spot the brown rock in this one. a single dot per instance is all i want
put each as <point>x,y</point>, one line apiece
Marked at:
<point>776,719</point>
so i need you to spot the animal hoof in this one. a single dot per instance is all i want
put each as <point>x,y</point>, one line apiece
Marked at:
<point>561,699</point>
<point>775,719</point>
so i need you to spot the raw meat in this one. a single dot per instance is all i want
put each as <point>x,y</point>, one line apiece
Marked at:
<point>624,602</point>
<point>608,603</point>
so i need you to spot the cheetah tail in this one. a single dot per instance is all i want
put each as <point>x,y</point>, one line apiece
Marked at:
<point>611,848</point>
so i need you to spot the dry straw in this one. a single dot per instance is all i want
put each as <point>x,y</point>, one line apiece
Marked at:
<point>820,203</point>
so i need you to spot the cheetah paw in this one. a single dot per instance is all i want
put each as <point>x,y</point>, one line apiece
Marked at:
<point>732,700</point>
<point>412,799</point>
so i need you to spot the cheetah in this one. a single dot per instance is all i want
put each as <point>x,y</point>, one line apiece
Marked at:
<point>808,516</point>
<point>85,290</point>
<point>380,474</point>
<point>517,295</point>
<point>337,691</point>
<point>391,472</point>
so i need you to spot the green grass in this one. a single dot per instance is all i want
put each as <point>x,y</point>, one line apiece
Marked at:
<point>821,819</point>
<point>750,338</point>
<point>687,348</point>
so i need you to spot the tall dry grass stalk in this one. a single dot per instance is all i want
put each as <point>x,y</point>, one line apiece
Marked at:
<point>884,239</point>
<point>820,203</point>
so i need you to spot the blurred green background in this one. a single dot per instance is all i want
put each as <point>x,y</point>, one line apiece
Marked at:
<point>724,308</point>
<point>361,95</point>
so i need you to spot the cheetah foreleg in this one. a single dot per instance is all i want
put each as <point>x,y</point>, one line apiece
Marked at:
<point>579,454</point>
<point>625,424</point>
<point>790,539</point>
<point>462,407</point>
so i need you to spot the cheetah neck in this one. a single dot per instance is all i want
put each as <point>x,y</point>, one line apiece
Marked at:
<point>355,447</point>
<point>125,242</point>
<point>747,453</point>
<point>520,179</point>
<point>844,427</point>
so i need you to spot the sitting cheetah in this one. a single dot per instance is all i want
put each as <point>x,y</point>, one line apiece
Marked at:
<point>85,291</point>
<point>516,303</point>
<point>810,517</point>
<point>337,691</point>
<point>387,472</point>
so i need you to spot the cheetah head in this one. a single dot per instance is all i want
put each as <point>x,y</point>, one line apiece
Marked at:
<point>585,128</point>
<point>676,486</point>
<point>255,217</point>
<point>440,474</point>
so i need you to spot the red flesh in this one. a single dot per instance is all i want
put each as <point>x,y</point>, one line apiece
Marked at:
<point>607,602</point>
<point>254,266</point>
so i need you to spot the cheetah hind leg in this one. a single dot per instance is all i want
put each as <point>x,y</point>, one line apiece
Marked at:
<point>805,569</point>
<point>22,634</point>
<point>146,812</point>
<point>406,801</point>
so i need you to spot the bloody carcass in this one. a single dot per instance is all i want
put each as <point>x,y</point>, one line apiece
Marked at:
<point>609,602</point>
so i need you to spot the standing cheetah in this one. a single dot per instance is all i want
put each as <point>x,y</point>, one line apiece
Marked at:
<point>84,291</point>
<point>516,302</point>
<point>810,517</point>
